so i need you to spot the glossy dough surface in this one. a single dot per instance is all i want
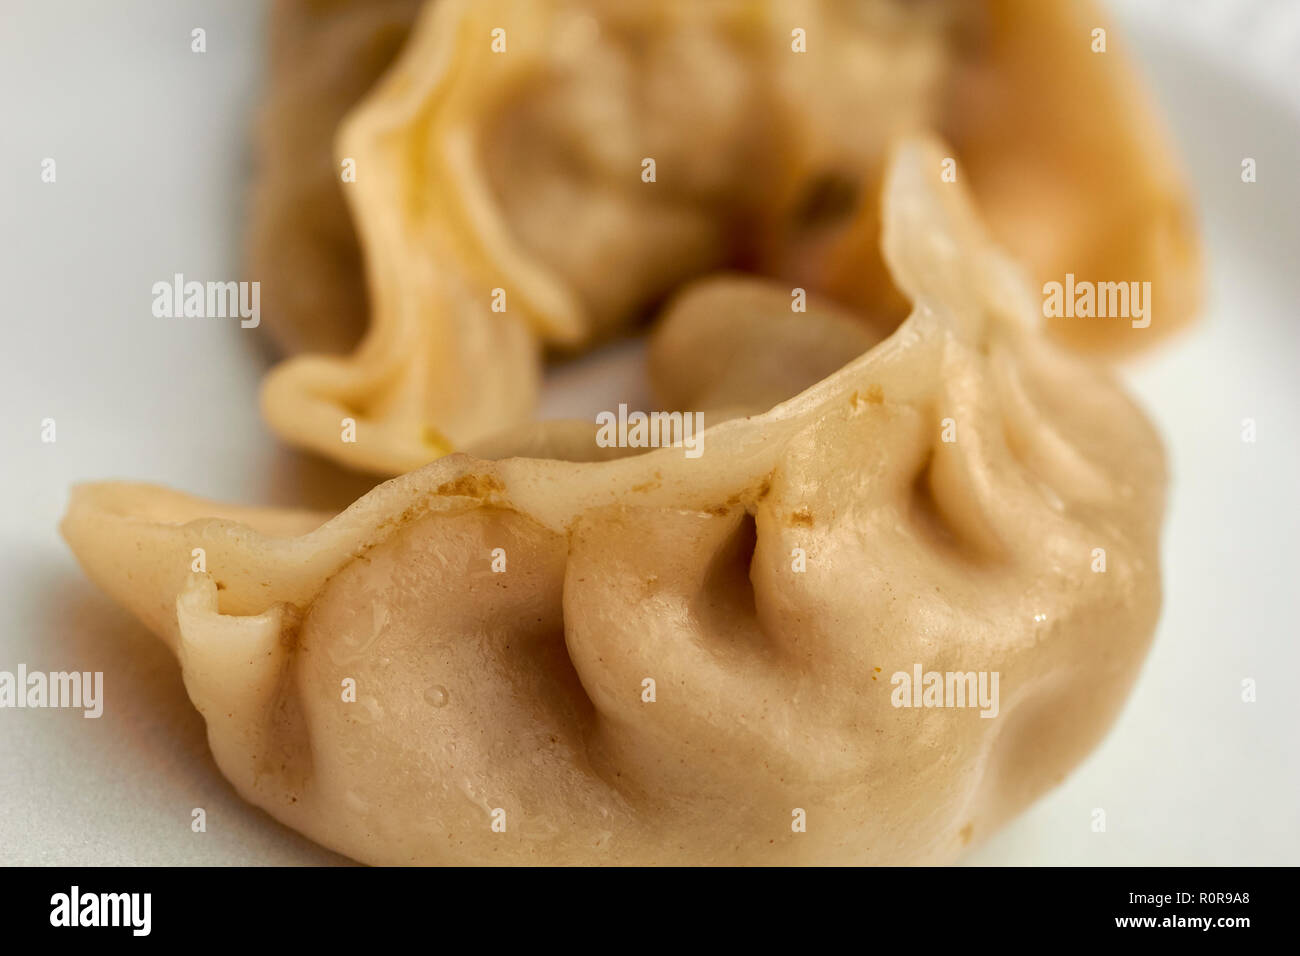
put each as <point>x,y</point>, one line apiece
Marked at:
<point>522,691</point>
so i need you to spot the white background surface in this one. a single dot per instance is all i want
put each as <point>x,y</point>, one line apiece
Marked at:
<point>152,146</point>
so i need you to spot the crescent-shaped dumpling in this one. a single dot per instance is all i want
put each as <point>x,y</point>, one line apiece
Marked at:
<point>670,657</point>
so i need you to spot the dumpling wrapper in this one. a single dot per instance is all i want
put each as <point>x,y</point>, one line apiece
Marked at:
<point>1073,168</point>
<point>324,56</point>
<point>521,693</point>
<point>514,180</point>
<point>735,342</point>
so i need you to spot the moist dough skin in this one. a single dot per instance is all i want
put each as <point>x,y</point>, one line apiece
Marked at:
<point>522,691</point>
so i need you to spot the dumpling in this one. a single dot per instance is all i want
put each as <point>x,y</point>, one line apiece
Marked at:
<point>670,657</point>
<point>538,174</point>
<point>301,245</point>
<point>1073,166</point>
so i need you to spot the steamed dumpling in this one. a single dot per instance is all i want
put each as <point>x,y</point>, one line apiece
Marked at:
<point>502,200</point>
<point>324,56</point>
<point>499,620</point>
<point>1072,166</point>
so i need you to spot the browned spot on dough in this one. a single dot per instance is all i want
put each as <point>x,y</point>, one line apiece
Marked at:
<point>966,833</point>
<point>472,486</point>
<point>652,484</point>
<point>749,497</point>
<point>874,395</point>
<point>802,517</point>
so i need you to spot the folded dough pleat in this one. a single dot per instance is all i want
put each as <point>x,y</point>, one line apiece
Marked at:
<point>302,247</point>
<point>1073,168</point>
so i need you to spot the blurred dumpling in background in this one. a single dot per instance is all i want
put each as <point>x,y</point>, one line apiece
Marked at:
<point>1072,164</point>
<point>324,56</point>
<point>537,174</point>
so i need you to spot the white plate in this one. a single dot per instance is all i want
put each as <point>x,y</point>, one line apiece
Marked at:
<point>151,143</point>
